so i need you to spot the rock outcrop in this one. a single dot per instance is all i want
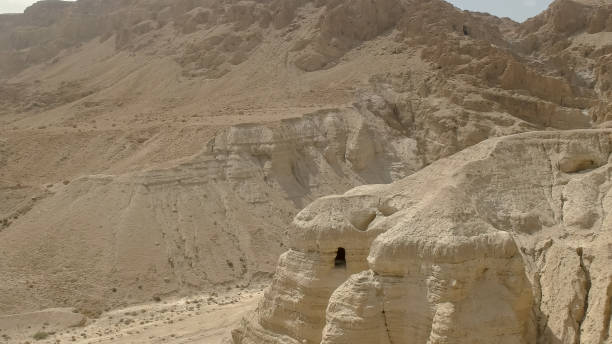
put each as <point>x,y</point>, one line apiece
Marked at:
<point>572,39</point>
<point>505,242</point>
<point>161,147</point>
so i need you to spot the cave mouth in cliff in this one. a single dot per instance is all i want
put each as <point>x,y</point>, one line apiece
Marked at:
<point>340,261</point>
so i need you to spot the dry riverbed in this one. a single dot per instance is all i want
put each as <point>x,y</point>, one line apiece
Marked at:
<point>199,319</point>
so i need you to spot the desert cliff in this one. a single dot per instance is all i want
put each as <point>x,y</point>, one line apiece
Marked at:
<point>152,149</point>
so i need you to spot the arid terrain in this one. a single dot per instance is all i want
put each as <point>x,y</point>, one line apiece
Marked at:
<point>162,162</point>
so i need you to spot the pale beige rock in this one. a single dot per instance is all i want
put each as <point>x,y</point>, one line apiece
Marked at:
<point>481,247</point>
<point>162,147</point>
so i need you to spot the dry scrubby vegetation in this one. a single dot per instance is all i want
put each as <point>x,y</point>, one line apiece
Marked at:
<point>40,335</point>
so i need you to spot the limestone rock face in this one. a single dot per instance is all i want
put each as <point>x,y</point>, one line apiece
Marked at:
<point>163,147</point>
<point>504,242</point>
<point>574,36</point>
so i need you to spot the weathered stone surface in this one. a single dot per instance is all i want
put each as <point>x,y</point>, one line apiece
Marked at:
<point>168,144</point>
<point>498,243</point>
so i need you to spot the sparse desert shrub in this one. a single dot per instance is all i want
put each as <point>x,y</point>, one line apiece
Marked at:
<point>40,335</point>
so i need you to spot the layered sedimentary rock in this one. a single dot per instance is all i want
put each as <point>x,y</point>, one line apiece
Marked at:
<point>216,218</point>
<point>162,147</point>
<point>202,221</point>
<point>504,242</point>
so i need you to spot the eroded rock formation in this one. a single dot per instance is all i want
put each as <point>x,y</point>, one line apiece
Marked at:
<point>159,147</point>
<point>505,242</point>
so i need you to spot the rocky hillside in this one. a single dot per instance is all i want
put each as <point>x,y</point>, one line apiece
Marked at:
<point>155,147</point>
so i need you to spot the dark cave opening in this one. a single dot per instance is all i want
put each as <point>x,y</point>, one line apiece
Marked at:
<point>340,261</point>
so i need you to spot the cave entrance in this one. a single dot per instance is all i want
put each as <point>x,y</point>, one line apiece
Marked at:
<point>340,261</point>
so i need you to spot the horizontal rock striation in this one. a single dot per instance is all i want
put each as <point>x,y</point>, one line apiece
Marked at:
<point>199,221</point>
